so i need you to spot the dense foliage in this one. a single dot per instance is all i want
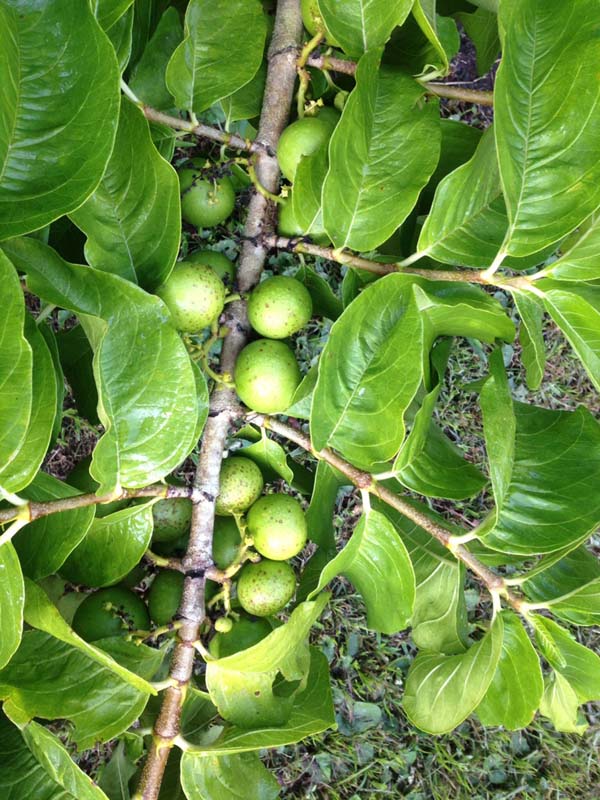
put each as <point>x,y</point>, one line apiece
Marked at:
<point>129,611</point>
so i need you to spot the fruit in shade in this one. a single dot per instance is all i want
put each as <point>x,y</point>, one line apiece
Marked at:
<point>219,263</point>
<point>279,307</point>
<point>226,541</point>
<point>302,138</point>
<point>134,577</point>
<point>240,485</point>
<point>265,588</point>
<point>164,596</point>
<point>223,624</point>
<point>176,547</point>
<point>205,202</point>
<point>80,478</point>
<point>194,294</point>
<point>245,632</point>
<point>266,376</point>
<point>277,525</point>
<point>172,518</point>
<point>114,611</point>
<point>313,21</point>
<point>330,114</point>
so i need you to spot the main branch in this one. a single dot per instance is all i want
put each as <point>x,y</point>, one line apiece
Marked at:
<point>279,89</point>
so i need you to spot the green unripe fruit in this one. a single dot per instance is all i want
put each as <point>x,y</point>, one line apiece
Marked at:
<point>226,542</point>
<point>172,518</point>
<point>164,596</point>
<point>205,202</point>
<point>279,307</point>
<point>220,264</point>
<point>265,588</point>
<point>330,114</point>
<point>177,547</point>
<point>114,611</point>
<point>313,21</point>
<point>223,625</point>
<point>195,296</point>
<point>266,376</point>
<point>288,225</point>
<point>244,633</point>
<point>80,478</point>
<point>240,485</point>
<point>278,526</point>
<point>302,138</point>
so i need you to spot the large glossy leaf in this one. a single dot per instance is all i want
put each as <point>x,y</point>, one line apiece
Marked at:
<point>319,514</point>
<point>67,684</point>
<point>16,361</point>
<point>121,37</point>
<point>308,186</point>
<point>550,171</point>
<point>242,685</point>
<point>544,466</point>
<point>377,563</point>
<point>531,337</point>
<point>227,778</point>
<point>459,143</point>
<point>35,764</point>
<point>112,546</point>
<point>382,153</point>
<point>43,545</point>
<point>441,691</point>
<point>77,357</point>
<point>482,29</point>
<point>133,218</point>
<point>58,111</point>
<point>148,78</point>
<point>201,70</point>
<point>516,689</point>
<point>150,431</point>
<point>109,11</point>
<point>12,600</point>
<point>440,31</point>
<point>579,256</point>
<point>361,25</point>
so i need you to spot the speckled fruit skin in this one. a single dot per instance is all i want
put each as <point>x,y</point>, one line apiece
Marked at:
<point>220,264</point>
<point>205,202</point>
<point>279,307</point>
<point>265,588</point>
<point>172,519</point>
<point>226,542</point>
<point>93,621</point>
<point>245,633</point>
<point>278,526</point>
<point>266,376</point>
<point>313,22</point>
<point>301,138</point>
<point>240,485</point>
<point>195,296</point>
<point>164,596</point>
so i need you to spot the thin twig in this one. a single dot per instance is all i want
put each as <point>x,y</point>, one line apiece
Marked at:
<point>197,563</point>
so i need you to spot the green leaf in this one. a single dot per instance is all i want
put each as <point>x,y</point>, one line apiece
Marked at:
<point>67,684</point>
<point>44,544</point>
<point>246,103</point>
<point>308,186</point>
<point>569,588</point>
<point>114,776</point>
<point>441,32</point>
<point>579,256</point>
<point>459,143</point>
<point>76,357</point>
<point>516,689</point>
<point>319,514</point>
<point>148,433</point>
<point>12,601</point>
<point>133,219</point>
<point>147,79</point>
<point>111,548</point>
<point>560,704</point>
<point>107,12</point>
<point>16,361</point>
<point>361,25</point>
<point>227,777</point>
<point>201,70</point>
<point>576,310</point>
<point>58,111</point>
<point>544,466</point>
<point>382,153</point>
<point>441,691</point>
<point>59,378</point>
<point>121,37</point>
<point>325,302</point>
<point>42,614</point>
<point>531,335</point>
<point>245,686</point>
<point>34,764</point>
<point>550,171</point>
<point>482,29</point>
<point>270,457</point>
<point>377,563</point>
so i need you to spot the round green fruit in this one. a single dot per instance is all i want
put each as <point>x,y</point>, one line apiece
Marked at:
<point>195,296</point>
<point>302,138</point>
<point>288,225</point>
<point>172,518</point>
<point>80,478</point>
<point>164,596</point>
<point>278,526</point>
<point>205,202</point>
<point>266,376</point>
<point>279,307</point>
<point>114,611</point>
<point>265,588</point>
<point>219,263</point>
<point>244,633</point>
<point>313,21</point>
<point>329,114</point>
<point>226,542</point>
<point>223,624</point>
<point>240,485</point>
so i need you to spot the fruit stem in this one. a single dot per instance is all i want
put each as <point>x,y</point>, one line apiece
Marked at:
<point>303,73</point>
<point>275,198</point>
